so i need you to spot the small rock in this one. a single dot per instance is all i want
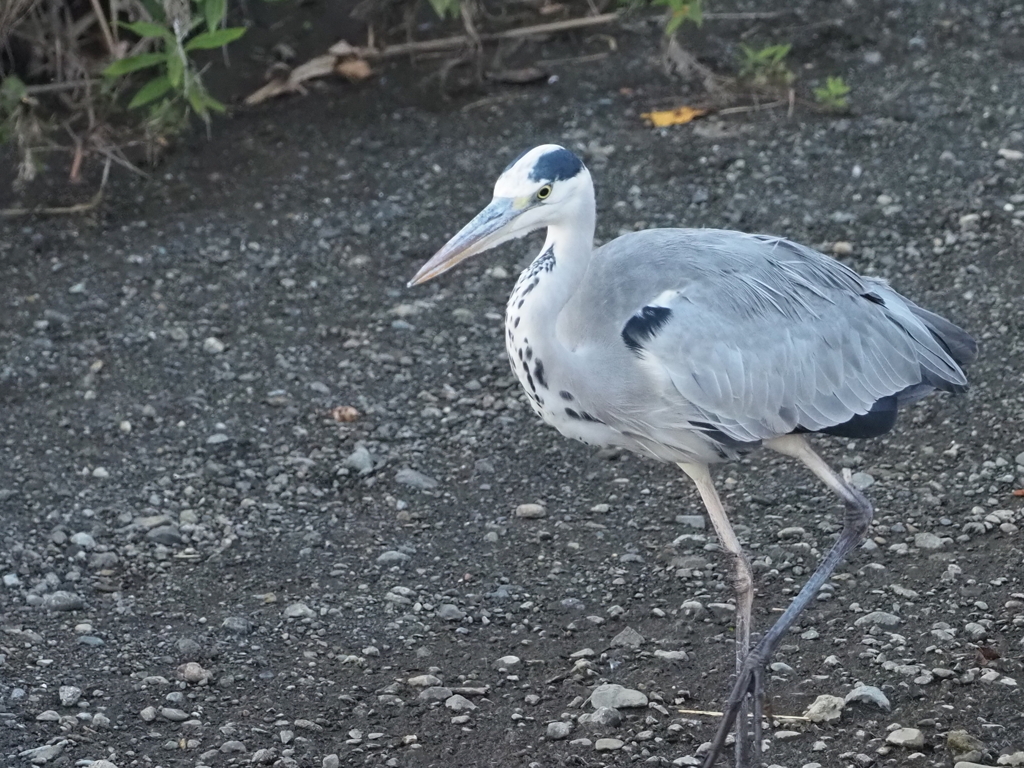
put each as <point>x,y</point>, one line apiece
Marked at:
<point>558,730</point>
<point>11,580</point>
<point>167,535</point>
<point>906,737</point>
<point>423,681</point>
<point>531,511</point>
<point>217,438</point>
<point>459,703</point>
<point>148,714</point>
<point>331,761</point>
<point>878,618</point>
<point>238,625</point>
<point>194,673</point>
<point>435,693</point>
<point>174,715</point>
<point>961,742</point>
<point>83,540</point>
<point>842,248</point>
<point>825,709</point>
<point>49,716</point>
<point>264,756</point>
<point>101,473</point>
<point>671,655</point>
<point>69,695</point>
<point>212,345</point>
<point>608,745</point>
<point>232,746</point>
<point>926,540</point>
<point>723,612</point>
<point>627,638</point>
<point>861,481</point>
<point>691,521</point>
<point>1010,154</point>
<point>44,754</point>
<point>411,477</point>
<point>601,718</point>
<point>869,694</point>
<point>392,557</point>
<point>616,696</point>
<point>101,764</point>
<point>449,612</point>
<point>299,611</point>
<point>360,460</point>
<point>507,661</point>
<point>62,601</point>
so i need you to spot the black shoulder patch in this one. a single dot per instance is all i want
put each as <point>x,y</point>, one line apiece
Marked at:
<point>556,165</point>
<point>644,325</point>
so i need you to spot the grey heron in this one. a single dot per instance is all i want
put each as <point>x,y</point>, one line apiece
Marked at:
<point>697,346</point>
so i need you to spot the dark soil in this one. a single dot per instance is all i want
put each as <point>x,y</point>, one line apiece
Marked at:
<point>171,360</point>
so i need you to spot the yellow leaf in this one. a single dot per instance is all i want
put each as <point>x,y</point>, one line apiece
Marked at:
<point>677,116</point>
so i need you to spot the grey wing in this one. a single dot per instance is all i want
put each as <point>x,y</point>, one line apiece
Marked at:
<point>786,339</point>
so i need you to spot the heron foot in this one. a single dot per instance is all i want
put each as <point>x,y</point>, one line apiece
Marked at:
<point>744,710</point>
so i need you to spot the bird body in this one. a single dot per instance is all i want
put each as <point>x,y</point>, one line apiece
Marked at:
<point>699,344</point>
<point>696,346</point>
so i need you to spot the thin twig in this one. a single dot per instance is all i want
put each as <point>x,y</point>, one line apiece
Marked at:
<point>458,41</point>
<point>799,718</point>
<point>750,108</point>
<point>104,27</point>
<point>70,85</point>
<point>572,59</point>
<point>10,213</point>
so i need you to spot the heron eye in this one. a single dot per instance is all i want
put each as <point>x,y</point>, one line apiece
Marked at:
<point>544,192</point>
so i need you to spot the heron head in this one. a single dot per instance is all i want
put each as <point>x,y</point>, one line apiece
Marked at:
<point>539,188</point>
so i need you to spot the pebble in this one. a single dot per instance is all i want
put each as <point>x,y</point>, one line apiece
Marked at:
<point>392,557</point>
<point>558,730</point>
<point>531,511</point>
<point>49,716</point>
<point>601,718</point>
<point>960,741</point>
<point>100,473</point>
<point>1010,154</point>
<point>62,601</point>
<point>449,612</point>
<point>331,761</point>
<point>101,764</point>
<point>11,580</point>
<point>691,521</point>
<point>232,746</point>
<point>459,703</point>
<point>264,756</point>
<point>671,655</point>
<point>842,248</point>
<point>869,694</point>
<point>608,745</point>
<point>212,345</point>
<point>238,625</point>
<point>627,638</point>
<point>435,693</point>
<point>193,672</point>
<point>423,681</point>
<point>299,611</point>
<point>83,540</point>
<point>173,714</point>
<point>44,754</point>
<point>861,481</point>
<point>360,460</point>
<point>148,714</point>
<point>825,709</point>
<point>411,477</point>
<point>507,661</point>
<point>167,535</point>
<point>615,696</point>
<point>69,695</point>
<point>926,540</point>
<point>906,737</point>
<point>878,618</point>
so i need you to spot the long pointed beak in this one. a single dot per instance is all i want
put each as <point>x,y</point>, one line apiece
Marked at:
<point>485,231</point>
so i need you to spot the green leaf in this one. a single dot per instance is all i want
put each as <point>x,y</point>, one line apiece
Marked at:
<point>134,63</point>
<point>445,7</point>
<point>148,29</point>
<point>151,91</point>
<point>175,70</point>
<point>214,11</point>
<point>12,88</point>
<point>156,9</point>
<point>214,39</point>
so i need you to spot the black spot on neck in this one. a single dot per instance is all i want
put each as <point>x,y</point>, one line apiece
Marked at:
<point>565,395</point>
<point>538,373</point>
<point>644,325</point>
<point>556,165</point>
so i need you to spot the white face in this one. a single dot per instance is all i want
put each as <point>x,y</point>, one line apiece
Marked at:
<point>544,175</point>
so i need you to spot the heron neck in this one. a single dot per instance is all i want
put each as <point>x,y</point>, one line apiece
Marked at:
<point>571,242</point>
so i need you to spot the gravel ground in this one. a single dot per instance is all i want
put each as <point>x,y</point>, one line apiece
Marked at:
<point>261,504</point>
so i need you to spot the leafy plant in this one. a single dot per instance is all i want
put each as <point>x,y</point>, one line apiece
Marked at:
<point>832,95</point>
<point>12,94</point>
<point>680,11</point>
<point>177,83</point>
<point>765,66</point>
<point>445,8</point>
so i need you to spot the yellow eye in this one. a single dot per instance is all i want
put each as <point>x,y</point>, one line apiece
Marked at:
<point>544,192</point>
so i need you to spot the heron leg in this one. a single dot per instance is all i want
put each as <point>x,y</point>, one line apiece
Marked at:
<point>743,583</point>
<point>855,526</point>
